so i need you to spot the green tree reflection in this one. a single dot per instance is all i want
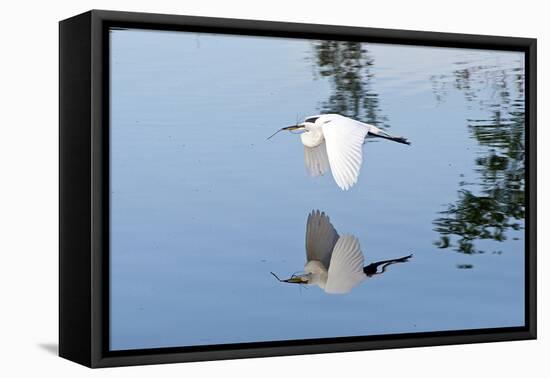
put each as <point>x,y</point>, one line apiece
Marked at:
<point>348,67</point>
<point>495,203</point>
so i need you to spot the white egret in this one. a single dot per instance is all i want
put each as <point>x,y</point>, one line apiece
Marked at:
<point>334,263</point>
<point>335,141</point>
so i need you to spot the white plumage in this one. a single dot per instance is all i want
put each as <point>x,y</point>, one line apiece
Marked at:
<point>333,263</point>
<point>334,141</point>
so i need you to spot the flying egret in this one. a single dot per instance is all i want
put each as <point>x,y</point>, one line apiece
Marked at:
<point>334,263</point>
<point>336,141</point>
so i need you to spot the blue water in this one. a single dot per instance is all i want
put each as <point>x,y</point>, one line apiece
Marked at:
<point>203,207</point>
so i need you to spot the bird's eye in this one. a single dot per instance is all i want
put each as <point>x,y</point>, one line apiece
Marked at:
<point>312,119</point>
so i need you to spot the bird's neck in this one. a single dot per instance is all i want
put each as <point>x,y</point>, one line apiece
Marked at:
<point>317,273</point>
<point>312,137</point>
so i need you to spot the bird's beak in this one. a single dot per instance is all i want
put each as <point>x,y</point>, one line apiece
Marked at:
<point>288,128</point>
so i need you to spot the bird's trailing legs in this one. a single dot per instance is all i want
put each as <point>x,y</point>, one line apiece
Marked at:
<point>372,269</point>
<point>378,133</point>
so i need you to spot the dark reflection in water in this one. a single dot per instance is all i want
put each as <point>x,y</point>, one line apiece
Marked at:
<point>493,204</point>
<point>335,263</point>
<point>348,67</point>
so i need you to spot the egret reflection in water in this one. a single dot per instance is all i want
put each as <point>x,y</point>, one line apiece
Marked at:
<point>335,263</point>
<point>335,141</point>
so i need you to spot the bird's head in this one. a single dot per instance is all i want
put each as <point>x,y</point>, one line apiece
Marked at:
<point>298,279</point>
<point>299,126</point>
<point>308,123</point>
<point>295,279</point>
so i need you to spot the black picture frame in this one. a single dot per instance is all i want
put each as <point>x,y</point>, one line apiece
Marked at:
<point>84,188</point>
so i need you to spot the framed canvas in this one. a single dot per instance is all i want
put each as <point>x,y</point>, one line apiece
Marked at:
<point>235,188</point>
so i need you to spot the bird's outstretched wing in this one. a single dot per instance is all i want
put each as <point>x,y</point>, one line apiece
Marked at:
<point>316,160</point>
<point>321,238</point>
<point>344,139</point>
<point>346,266</point>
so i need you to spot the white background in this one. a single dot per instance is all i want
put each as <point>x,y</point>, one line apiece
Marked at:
<point>29,186</point>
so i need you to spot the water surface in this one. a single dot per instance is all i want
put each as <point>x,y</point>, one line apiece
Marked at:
<point>203,207</point>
